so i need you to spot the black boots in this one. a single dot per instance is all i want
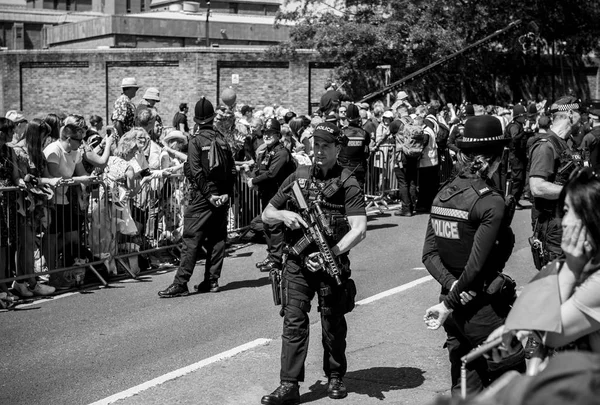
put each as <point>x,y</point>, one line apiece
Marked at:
<point>211,285</point>
<point>336,388</point>
<point>288,393</point>
<point>174,290</point>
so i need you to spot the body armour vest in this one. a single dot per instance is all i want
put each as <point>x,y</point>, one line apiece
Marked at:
<point>354,153</point>
<point>331,194</point>
<point>565,162</point>
<point>450,219</point>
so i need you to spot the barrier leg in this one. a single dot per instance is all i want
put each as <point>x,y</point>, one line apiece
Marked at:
<point>126,266</point>
<point>98,276</point>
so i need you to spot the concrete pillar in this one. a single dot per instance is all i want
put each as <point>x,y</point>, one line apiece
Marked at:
<point>18,34</point>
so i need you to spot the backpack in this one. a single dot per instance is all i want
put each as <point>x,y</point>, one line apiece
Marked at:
<point>443,133</point>
<point>414,141</point>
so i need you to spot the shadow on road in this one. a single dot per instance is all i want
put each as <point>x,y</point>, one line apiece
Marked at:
<point>373,382</point>
<point>246,284</point>
<point>380,226</point>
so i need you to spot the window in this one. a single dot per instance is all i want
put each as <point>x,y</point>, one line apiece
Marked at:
<point>68,5</point>
<point>233,8</point>
<point>128,6</point>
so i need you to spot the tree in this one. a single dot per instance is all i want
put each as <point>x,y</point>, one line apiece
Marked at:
<point>410,34</point>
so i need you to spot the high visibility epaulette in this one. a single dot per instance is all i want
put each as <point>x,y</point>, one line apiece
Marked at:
<point>481,191</point>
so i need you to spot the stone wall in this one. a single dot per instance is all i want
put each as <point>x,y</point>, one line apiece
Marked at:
<point>87,82</point>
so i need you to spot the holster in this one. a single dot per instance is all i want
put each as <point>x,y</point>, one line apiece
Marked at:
<point>502,288</point>
<point>537,251</point>
<point>275,277</point>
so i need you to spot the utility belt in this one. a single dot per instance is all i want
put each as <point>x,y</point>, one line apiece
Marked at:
<point>500,290</point>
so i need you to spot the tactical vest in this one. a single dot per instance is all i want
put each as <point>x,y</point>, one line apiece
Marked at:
<point>518,146</point>
<point>354,154</point>
<point>331,192</point>
<point>266,158</point>
<point>450,219</point>
<point>594,159</point>
<point>565,162</point>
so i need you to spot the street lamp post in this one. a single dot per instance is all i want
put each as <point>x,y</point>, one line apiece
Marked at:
<point>207,15</point>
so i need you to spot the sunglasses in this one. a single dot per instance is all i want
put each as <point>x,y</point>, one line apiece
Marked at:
<point>76,140</point>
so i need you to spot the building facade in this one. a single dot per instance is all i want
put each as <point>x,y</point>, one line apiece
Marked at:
<point>88,24</point>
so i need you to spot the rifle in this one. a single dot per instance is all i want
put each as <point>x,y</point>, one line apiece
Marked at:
<point>315,218</point>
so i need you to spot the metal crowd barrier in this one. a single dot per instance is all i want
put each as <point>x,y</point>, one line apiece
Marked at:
<point>380,179</point>
<point>99,227</point>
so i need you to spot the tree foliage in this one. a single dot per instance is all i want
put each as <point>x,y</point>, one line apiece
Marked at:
<point>358,36</point>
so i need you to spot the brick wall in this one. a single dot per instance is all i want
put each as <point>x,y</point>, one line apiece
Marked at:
<point>88,82</point>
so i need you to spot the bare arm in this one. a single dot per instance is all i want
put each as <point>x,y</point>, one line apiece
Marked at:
<point>544,189</point>
<point>357,233</point>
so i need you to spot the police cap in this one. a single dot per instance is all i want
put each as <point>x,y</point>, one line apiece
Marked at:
<point>328,132</point>
<point>482,132</point>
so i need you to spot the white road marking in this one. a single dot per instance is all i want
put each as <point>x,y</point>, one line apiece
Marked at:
<point>396,290</point>
<point>181,372</point>
<point>419,268</point>
<point>54,298</point>
<point>230,353</point>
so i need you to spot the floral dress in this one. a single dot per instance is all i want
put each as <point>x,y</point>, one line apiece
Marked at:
<point>35,202</point>
<point>6,208</point>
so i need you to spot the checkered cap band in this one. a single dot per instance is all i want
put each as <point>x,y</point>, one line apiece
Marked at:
<point>564,107</point>
<point>489,139</point>
<point>449,212</point>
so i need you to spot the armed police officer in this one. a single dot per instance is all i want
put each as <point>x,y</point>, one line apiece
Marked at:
<point>467,244</point>
<point>354,155</point>
<point>275,164</point>
<point>552,161</point>
<point>329,188</point>
<point>205,218</point>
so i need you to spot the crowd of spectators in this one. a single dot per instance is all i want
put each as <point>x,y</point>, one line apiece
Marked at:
<point>56,161</point>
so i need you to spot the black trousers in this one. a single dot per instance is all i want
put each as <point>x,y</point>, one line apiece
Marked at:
<point>299,288</point>
<point>407,184</point>
<point>518,167</point>
<point>273,236</point>
<point>429,182</point>
<point>205,227</point>
<point>466,329</point>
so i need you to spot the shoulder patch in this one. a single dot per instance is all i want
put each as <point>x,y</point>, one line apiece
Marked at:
<point>302,182</point>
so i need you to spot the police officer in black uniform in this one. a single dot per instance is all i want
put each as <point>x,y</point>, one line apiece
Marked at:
<point>205,218</point>
<point>552,161</point>
<point>344,208</point>
<point>275,164</point>
<point>355,154</point>
<point>518,136</point>
<point>590,146</point>
<point>467,245</point>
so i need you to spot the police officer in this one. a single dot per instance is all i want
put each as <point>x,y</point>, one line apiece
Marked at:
<point>467,245</point>
<point>590,146</point>
<point>517,134</point>
<point>552,160</point>
<point>355,154</point>
<point>275,164</point>
<point>344,208</point>
<point>205,218</point>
